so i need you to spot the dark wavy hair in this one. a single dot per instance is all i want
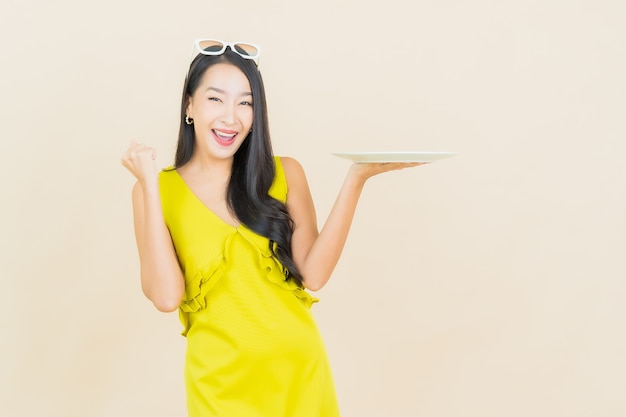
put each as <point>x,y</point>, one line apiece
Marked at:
<point>253,168</point>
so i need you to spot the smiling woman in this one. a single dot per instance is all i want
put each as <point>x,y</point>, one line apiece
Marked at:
<point>229,237</point>
<point>222,116</point>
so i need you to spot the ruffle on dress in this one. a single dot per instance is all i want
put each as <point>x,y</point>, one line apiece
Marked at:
<point>197,288</point>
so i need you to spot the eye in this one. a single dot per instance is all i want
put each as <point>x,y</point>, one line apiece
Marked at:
<point>246,103</point>
<point>214,99</point>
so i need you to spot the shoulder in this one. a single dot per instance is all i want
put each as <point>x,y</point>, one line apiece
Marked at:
<point>170,185</point>
<point>291,166</point>
<point>294,174</point>
<point>168,172</point>
<point>168,175</point>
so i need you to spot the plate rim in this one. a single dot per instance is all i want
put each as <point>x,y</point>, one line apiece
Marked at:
<point>384,155</point>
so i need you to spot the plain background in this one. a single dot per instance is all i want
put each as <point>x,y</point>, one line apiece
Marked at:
<point>488,284</point>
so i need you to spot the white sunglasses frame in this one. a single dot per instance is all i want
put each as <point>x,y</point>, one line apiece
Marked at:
<point>198,49</point>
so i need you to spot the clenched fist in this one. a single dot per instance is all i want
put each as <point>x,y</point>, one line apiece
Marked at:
<point>139,159</point>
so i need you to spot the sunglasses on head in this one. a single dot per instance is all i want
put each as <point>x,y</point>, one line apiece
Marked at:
<point>216,47</point>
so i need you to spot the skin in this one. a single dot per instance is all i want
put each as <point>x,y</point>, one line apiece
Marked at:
<point>222,106</point>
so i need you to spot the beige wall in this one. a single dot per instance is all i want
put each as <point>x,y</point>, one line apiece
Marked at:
<point>489,284</point>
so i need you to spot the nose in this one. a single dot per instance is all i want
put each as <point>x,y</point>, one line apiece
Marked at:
<point>228,115</point>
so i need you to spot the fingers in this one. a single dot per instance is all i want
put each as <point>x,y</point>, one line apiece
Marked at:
<point>370,169</point>
<point>392,166</point>
<point>389,166</point>
<point>139,159</point>
<point>138,150</point>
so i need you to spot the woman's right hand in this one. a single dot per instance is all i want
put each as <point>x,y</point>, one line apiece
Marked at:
<point>139,159</point>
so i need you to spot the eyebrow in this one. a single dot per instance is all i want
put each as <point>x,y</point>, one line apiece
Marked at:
<point>219,90</point>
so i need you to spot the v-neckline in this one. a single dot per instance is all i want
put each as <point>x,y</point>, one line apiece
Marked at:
<point>207,208</point>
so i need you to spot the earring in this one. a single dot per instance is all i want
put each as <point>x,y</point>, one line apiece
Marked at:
<point>188,120</point>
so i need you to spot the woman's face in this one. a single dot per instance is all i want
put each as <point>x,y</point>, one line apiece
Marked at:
<point>221,109</point>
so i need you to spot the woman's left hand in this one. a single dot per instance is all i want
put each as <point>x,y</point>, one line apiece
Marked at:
<point>364,171</point>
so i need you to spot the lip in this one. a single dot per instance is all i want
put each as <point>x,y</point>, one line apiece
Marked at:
<point>224,141</point>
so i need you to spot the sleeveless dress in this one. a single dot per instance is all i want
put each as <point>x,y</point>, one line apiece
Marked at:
<point>253,348</point>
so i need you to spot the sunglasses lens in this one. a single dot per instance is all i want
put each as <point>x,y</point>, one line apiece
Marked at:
<point>211,46</point>
<point>246,49</point>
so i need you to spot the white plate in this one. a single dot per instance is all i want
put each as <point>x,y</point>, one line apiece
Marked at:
<point>394,156</point>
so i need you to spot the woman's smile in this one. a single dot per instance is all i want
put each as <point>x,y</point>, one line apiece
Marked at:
<point>224,137</point>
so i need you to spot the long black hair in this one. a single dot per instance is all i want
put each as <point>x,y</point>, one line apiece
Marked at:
<point>253,167</point>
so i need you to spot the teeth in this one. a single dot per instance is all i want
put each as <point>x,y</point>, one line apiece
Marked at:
<point>224,135</point>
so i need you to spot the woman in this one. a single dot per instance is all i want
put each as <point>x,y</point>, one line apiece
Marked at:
<point>229,237</point>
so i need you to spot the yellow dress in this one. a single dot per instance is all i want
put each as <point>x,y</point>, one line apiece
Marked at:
<point>253,348</point>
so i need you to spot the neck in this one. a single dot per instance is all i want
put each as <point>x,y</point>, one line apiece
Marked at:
<point>209,167</point>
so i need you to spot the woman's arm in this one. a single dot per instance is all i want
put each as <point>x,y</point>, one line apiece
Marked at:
<point>161,277</point>
<point>316,253</point>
